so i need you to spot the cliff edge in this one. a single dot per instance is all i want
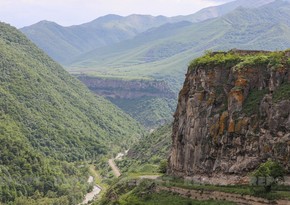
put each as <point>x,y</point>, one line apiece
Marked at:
<point>233,114</point>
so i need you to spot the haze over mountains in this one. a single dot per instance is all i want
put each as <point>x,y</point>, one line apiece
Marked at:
<point>65,43</point>
<point>166,51</point>
<point>160,48</point>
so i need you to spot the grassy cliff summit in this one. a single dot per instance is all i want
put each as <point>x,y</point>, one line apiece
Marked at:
<point>47,119</point>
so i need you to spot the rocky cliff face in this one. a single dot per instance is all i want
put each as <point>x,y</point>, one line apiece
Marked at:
<point>126,89</point>
<point>233,113</point>
<point>150,102</point>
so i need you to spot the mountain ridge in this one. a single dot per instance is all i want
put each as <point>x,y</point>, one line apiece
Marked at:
<point>236,29</point>
<point>111,29</point>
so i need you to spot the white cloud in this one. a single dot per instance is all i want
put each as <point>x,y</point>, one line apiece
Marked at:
<point>68,12</point>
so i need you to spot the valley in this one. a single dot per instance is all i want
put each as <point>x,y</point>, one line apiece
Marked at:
<point>142,109</point>
<point>162,52</point>
<point>150,102</point>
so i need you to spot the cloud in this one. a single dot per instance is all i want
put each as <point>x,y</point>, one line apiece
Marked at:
<point>69,12</point>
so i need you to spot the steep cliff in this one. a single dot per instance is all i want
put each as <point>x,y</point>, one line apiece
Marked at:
<point>126,89</point>
<point>150,102</point>
<point>232,114</point>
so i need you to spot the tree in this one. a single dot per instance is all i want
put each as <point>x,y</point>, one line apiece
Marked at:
<point>268,174</point>
<point>163,166</point>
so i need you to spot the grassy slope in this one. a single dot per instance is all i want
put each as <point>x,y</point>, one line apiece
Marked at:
<point>47,115</point>
<point>146,155</point>
<point>262,28</point>
<point>64,43</point>
<point>149,111</point>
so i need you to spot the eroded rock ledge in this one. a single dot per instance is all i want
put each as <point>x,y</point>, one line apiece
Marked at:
<point>233,113</point>
<point>126,89</point>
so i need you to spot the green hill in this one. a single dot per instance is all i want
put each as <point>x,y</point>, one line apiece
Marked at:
<point>146,155</point>
<point>160,48</point>
<point>47,119</point>
<point>216,11</point>
<point>164,52</point>
<point>65,43</point>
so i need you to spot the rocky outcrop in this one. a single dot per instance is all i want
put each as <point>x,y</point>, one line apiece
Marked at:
<point>233,113</point>
<point>126,89</point>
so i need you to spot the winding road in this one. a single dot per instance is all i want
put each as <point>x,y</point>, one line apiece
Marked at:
<point>114,167</point>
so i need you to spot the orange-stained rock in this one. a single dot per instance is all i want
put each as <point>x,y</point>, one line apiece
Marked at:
<point>231,128</point>
<point>213,135</point>
<point>222,123</point>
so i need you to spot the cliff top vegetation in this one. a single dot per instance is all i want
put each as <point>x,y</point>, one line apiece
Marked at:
<point>240,59</point>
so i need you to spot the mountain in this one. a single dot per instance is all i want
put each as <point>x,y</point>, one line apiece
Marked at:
<point>216,11</point>
<point>233,114</point>
<point>163,53</point>
<point>65,43</point>
<point>48,119</point>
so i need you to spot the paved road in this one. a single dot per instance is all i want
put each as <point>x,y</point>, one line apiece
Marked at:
<point>114,167</point>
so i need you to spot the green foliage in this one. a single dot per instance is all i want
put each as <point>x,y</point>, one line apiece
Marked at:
<point>163,166</point>
<point>282,92</point>
<point>272,172</point>
<point>151,112</point>
<point>165,198</point>
<point>146,155</point>
<point>271,60</point>
<point>242,29</point>
<point>215,59</point>
<point>276,60</point>
<point>48,119</point>
<point>58,114</point>
<point>144,194</point>
<point>259,60</point>
<point>279,191</point>
<point>65,43</point>
<point>25,172</point>
<point>252,102</point>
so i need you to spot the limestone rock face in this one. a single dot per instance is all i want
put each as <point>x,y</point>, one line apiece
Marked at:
<point>229,119</point>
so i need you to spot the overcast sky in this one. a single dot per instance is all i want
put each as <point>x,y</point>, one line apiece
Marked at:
<point>22,13</point>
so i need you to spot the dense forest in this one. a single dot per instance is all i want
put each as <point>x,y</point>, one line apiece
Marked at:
<point>50,122</point>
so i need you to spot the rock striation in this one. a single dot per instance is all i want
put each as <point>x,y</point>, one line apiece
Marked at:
<point>126,89</point>
<point>233,113</point>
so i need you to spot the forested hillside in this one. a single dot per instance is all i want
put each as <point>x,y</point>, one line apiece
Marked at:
<point>48,118</point>
<point>160,48</point>
<point>148,153</point>
<point>63,44</point>
<point>165,52</point>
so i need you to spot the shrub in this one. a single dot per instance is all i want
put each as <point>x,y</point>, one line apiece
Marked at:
<point>163,166</point>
